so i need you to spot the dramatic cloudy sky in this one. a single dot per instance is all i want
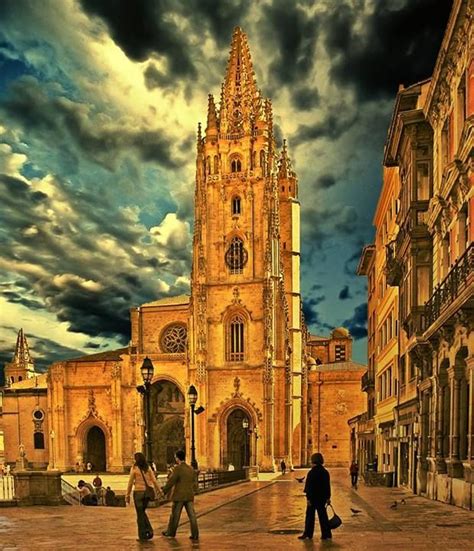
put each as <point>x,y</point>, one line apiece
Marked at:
<point>99,103</point>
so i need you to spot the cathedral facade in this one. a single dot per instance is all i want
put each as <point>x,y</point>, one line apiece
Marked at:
<point>239,337</point>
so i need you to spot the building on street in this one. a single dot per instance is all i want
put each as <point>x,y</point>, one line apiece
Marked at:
<point>239,337</point>
<point>425,268</point>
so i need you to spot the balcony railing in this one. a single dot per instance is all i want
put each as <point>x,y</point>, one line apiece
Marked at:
<point>367,381</point>
<point>393,269</point>
<point>454,283</point>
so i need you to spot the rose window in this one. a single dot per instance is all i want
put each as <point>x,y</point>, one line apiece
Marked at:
<point>174,339</point>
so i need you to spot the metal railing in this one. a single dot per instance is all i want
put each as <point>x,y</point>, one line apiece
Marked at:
<point>7,488</point>
<point>70,493</point>
<point>450,288</point>
<point>367,381</point>
<point>212,480</point>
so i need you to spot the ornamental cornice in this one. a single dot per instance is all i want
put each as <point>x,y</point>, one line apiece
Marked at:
<point>451,64</point>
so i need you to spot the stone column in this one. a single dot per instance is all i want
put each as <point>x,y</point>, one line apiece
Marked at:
<point>455,406</point>
<point>470,378</point>
<point>455,466</point>
<point>440,391</point>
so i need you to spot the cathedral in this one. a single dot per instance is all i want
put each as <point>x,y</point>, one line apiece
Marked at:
<point>239,337</point>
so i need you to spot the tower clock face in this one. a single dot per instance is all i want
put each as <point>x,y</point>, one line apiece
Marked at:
<point>236,256</point>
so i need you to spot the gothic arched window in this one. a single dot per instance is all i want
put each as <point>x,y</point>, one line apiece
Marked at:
<point>208,165</point>
<point>216,165</point>
<point>235,346</point>
<point>173,340</point>
<point>236,205</point>
<point>236,256</point>
<point>236,165</point>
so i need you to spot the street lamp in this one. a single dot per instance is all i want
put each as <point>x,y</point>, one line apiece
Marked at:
<point>245,425</point>
<point>147,375</point>
<point>192,397</point>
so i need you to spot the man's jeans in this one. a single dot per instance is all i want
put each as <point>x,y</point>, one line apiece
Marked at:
<point>145,530</point>
<point>176,515</point>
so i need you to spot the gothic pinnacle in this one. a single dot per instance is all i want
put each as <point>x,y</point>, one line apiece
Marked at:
<point>211,117</point>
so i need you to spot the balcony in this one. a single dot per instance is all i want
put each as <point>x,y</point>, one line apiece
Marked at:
<point>367,381</point>
<point>392,269</point>
<point>458,279</point>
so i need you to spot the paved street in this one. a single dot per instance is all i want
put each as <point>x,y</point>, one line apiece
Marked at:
<point>263,515</point>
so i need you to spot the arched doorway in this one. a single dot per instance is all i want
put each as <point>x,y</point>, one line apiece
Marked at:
<point>95,449</point>
<point>167,422</point>
<point>238,442</point>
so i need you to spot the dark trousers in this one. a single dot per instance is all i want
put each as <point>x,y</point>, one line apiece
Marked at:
<point>354,479</point>
<point>145,530</point>
<point>311,508</point>
<point>176,515</point>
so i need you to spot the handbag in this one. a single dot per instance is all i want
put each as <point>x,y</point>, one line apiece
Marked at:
<point>335,521</point>
<point>149,491</point>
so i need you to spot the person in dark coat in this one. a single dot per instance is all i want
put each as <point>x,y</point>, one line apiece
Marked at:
<point>183,481</point>
<point>318,495</point>
<point>354,472</point>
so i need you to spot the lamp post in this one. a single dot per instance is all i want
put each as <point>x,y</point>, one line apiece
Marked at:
<point>192,397</point>
<point>147,375</point>
<point>257,436</point>
<point>245,425</point>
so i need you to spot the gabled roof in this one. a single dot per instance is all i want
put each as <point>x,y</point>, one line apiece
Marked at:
<point>109,355</point>
<point>169,301</point>
<point>340,366</point>
<point>38,381</point>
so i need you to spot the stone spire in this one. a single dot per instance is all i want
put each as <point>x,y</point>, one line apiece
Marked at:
<point>212,128</point>
<point>22,366</point>
<point>240,92</point>
<point>22,355</point>
<point>285,170</point>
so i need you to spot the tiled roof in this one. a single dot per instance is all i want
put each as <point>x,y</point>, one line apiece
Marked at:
<point>38,381</point>
<point>169,301</point>
<point>339,366</point>
<point>109,355</point>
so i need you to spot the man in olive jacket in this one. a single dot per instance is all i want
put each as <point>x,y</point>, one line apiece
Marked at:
<point>318,495</point>
<point>183,481</point>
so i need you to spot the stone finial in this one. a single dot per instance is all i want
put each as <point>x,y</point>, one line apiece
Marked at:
<point>212,123</point>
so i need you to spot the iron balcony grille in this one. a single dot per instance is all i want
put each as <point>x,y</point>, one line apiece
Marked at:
<point>454,283</point>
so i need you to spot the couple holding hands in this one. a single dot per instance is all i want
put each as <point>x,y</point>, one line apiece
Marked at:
<point>183,481</point>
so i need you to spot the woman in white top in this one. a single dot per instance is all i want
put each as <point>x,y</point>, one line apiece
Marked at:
<point>141,476</point>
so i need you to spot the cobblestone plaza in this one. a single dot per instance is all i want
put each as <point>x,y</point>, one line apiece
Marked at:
<point>267,514</point>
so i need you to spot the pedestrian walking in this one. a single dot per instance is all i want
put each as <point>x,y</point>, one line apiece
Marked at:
<point>141,480</point>
<point>318,495</point>
<point>283,466</point>
<point>183,481</point>
<point>354,472</point>
<point>375,463</point>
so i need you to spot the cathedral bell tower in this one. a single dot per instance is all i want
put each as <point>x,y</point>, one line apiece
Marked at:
<point>240,345</point>
<point>21,367</point>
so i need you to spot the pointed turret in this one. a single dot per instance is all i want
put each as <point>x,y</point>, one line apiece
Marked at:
<point>22,366</point>
<point>287,181</point>
<point>240,92</point>
<point>212,123</point>
<point>22,352</point>
<point>285,169</point>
